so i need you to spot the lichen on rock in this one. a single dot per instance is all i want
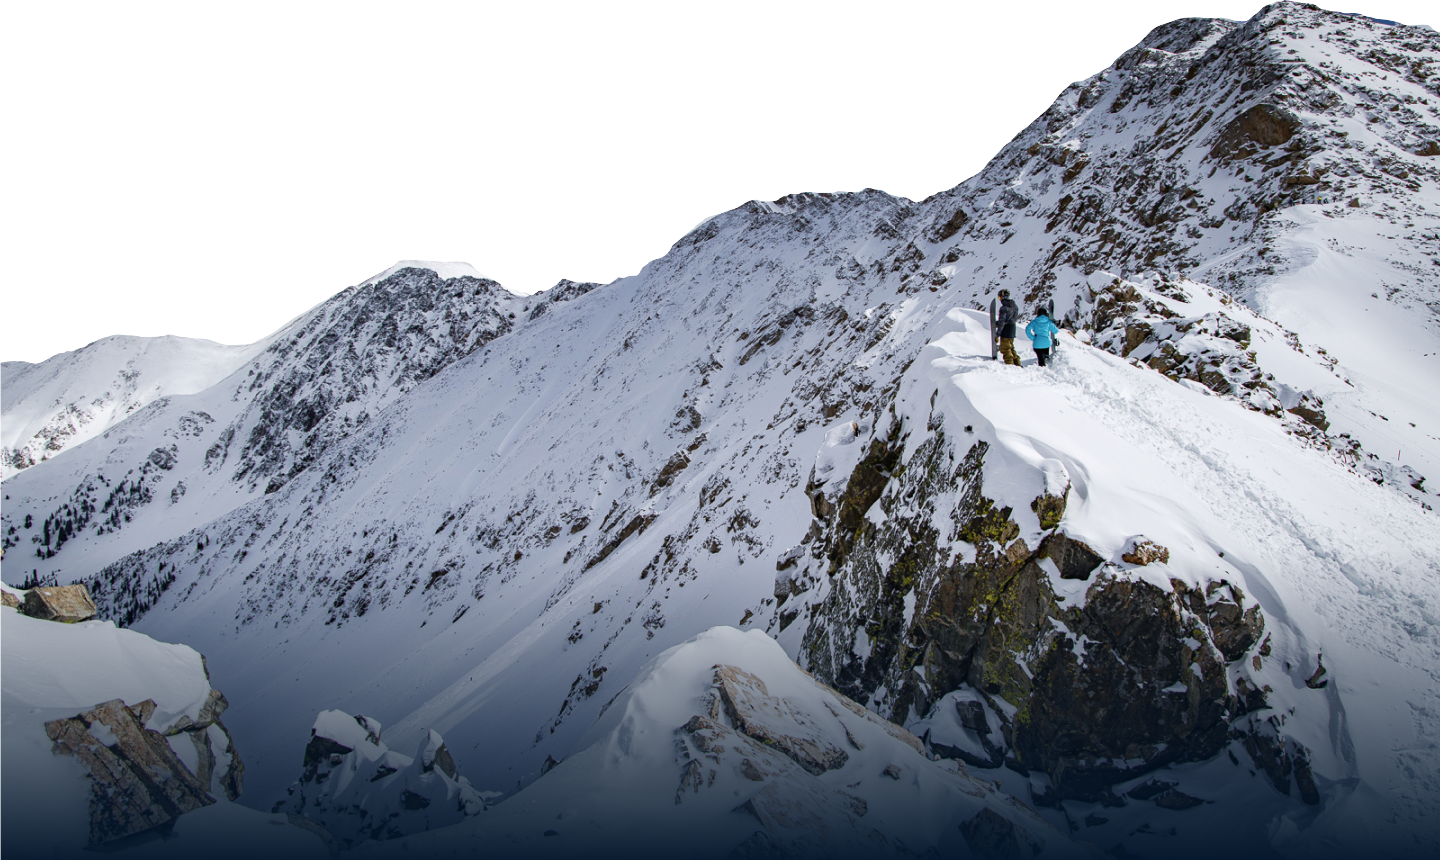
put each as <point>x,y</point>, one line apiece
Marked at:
<point>1091,693</point>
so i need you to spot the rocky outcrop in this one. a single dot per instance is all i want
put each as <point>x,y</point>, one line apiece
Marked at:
<point>137,782</point>
<point>355,788</point>
<point>64,603</point>
<point>1089,692</point>
<point>1260,127</point>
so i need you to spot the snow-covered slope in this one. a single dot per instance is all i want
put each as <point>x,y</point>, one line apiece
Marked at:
<point>189,458</point>
<point>483,548</point>
<point>721,748</point>
<point>48,407</point>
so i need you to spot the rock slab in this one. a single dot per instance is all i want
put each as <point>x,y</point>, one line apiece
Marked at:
<point>137,781</point>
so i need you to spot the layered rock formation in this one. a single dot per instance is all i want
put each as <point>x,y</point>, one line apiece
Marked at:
<point>138,782</point>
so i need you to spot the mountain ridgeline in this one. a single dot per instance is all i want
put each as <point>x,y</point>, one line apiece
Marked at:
<point>1140,589</point>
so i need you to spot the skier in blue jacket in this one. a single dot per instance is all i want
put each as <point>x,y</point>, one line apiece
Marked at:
<point>1040,330</point>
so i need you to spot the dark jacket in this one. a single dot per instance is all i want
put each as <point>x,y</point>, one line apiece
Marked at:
<point>1006,319</point>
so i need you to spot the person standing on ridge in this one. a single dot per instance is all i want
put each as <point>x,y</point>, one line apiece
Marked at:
<point>1040,330</point>
<point>1006,319</point>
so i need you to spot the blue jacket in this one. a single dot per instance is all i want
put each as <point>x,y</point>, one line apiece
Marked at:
<point>1040,331</point>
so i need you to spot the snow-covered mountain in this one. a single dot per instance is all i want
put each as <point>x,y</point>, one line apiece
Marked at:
<point>48,407</point>
<point>455,509</point>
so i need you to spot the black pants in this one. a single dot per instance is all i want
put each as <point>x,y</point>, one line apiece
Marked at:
<point>1042,354</point>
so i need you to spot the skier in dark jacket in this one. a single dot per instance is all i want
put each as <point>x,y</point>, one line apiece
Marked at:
<point>1040,331</point>
<point>1006,319</point>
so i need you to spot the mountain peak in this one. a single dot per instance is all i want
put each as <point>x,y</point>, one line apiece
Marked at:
<point>446,271</point>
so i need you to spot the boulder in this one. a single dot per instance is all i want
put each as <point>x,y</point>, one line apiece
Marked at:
<point>8,599</point>
<point>1141,551</point>
<point>64,603</point>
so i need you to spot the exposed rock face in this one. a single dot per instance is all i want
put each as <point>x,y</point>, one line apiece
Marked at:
<point>64,603</point>
<point>8,599</point>
<point>137,781</point>
<point>1091,694</point>
<point>1157,325</point>
<point>764,766</point>
<point>774,722</point>
<point>1260,127</point>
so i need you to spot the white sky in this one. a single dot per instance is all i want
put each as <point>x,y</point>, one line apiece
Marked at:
<point>213,170</point>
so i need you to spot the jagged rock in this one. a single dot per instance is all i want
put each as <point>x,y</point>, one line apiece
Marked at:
<point>1234,628</point>
<point>995,837</point>
<point>1083,721</point>
<point>774,722</point>
<point>1050,509</point>
<point>787,559</point>
<point>137,781</point>
<point>434,754</point>
<point>64,603</point>
<point>1129,682</point>
<point>1311,415</point>
<point>358,789</point>
<point>1317,679</point>
<point>691,778</point>
<point>1142,552</point>
<point>1149,789</point>
<point>8,599</point>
